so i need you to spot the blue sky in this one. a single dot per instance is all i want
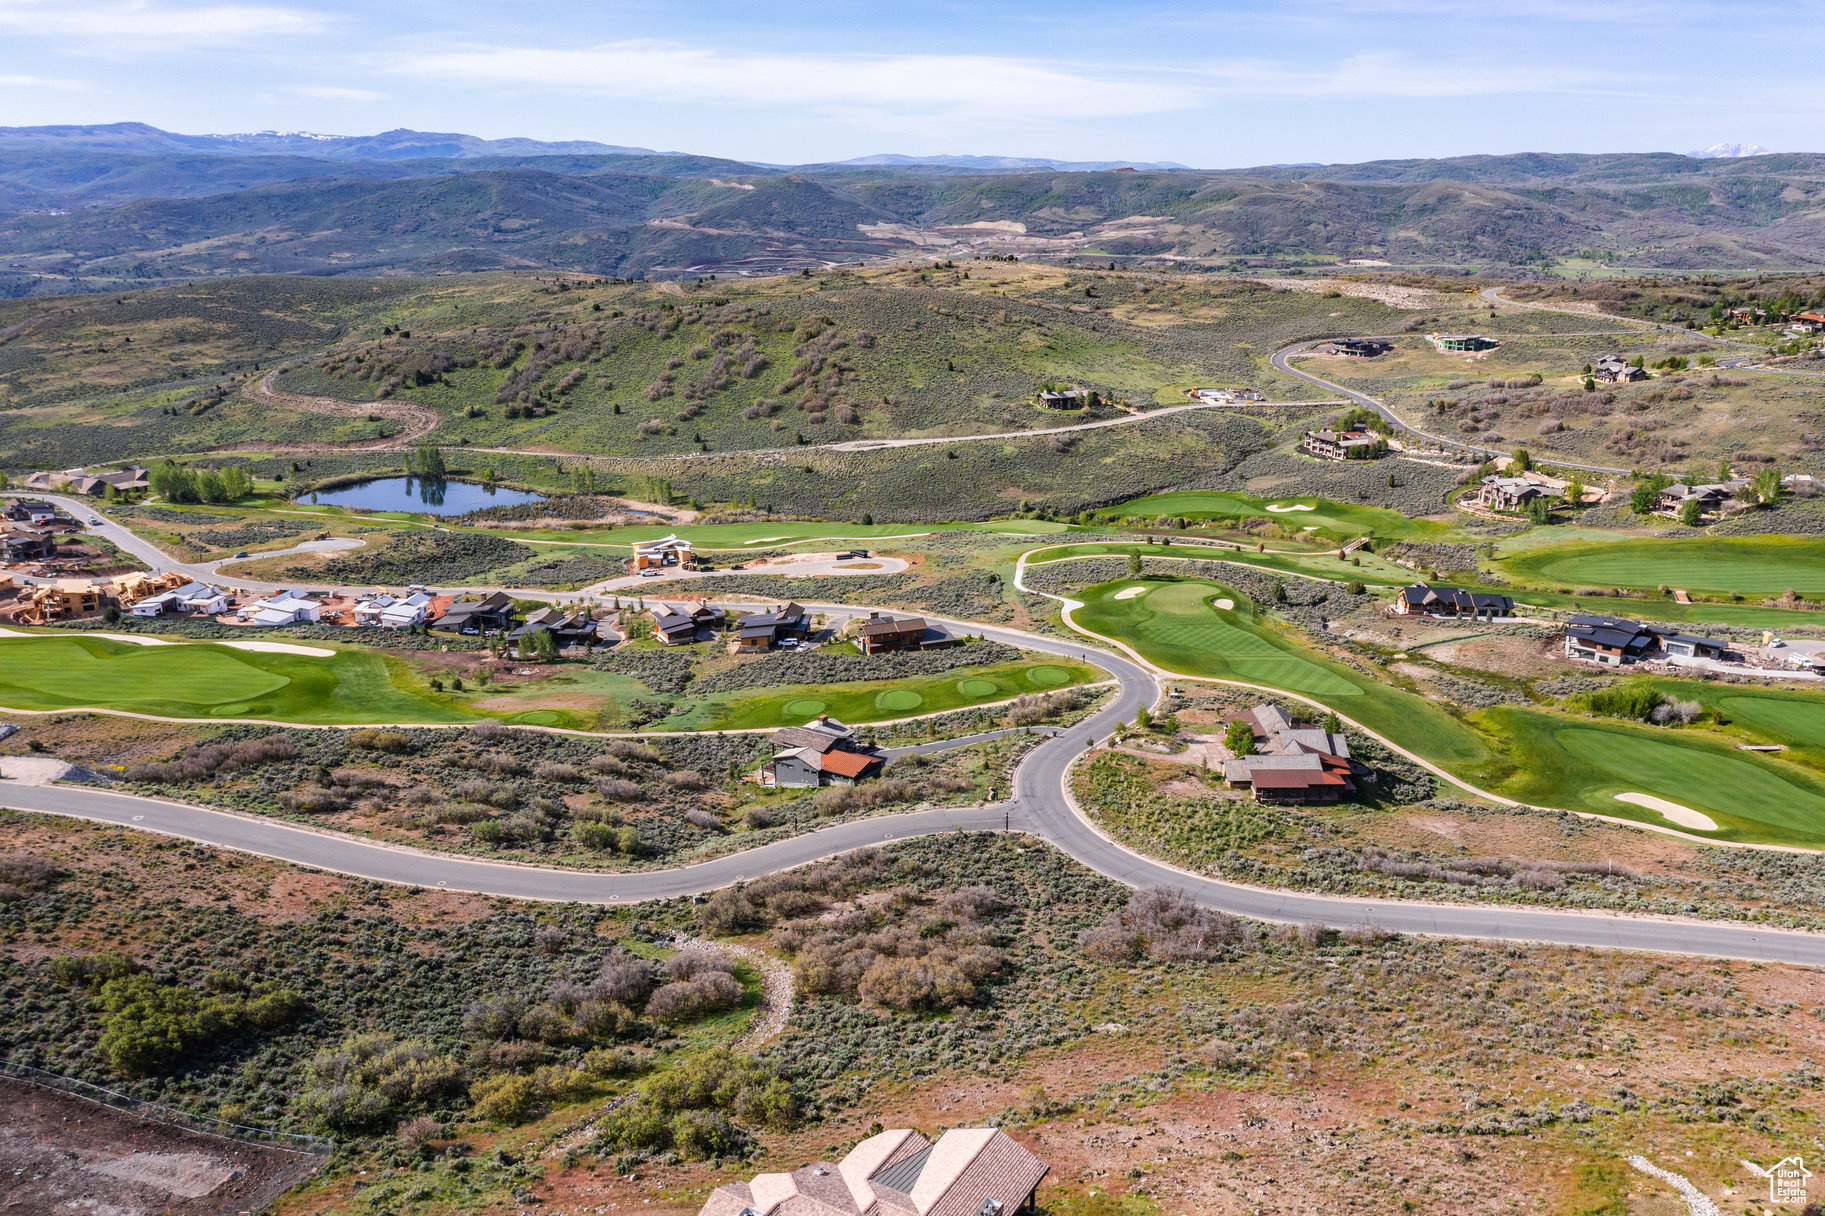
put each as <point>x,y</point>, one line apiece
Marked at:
<point>1211,85</point>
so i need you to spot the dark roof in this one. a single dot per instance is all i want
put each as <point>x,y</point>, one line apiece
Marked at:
<point>887,626</point>
<point>1691,640</point>
<point>1607,622</point>
<point>1422,594</point>
<point>498,602</point>
<point>1615,639</point>
<point>903,1174</point>
<point>818,739</point>
<point>763,630</point>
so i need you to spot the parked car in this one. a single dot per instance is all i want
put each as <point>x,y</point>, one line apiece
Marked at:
<point>242,553</point>
<point>649,574</point>
<point>94,523</point>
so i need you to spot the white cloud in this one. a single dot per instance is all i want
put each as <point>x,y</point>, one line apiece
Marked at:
<point>992,86</point>
<point>43,82</point>
<point>330,92</point>
<point>1390,74</point>
<point>146,22</point>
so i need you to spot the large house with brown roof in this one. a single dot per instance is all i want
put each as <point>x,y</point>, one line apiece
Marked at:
<point>1293,762</point>
<point>821,752</point>
<point>882,633</point>
<point>970,1171</point>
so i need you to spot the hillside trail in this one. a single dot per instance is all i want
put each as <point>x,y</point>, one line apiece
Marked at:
<point>419,420</point>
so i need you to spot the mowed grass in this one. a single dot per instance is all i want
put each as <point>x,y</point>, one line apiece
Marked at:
<point>1176,625</point>
<point>1798,721</point>
<point>1337,518</point>
<point>1319,564</point>
<point>880,700</point>
<point>1745,565</point>
<point>1583,764</point>
<point>200,680</point>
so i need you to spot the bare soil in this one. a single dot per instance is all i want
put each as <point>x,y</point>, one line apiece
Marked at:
<point>61,1153</point>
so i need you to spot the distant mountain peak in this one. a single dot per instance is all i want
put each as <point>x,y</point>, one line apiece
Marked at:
<point>1005,164</point>
<point>1728,152</point>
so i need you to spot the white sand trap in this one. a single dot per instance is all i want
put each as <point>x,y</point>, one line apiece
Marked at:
<point>315,652</point>
<point>1225,603</point>
<point>767,540</point>
<point>1684,816</point>
<point>1279,507</point>
<point>135,638</point>
<point>1128,593</point>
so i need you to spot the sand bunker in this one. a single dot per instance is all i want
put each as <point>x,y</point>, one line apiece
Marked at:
<point>315,652</point>
<point>1225,603</point>
<point>765,540</point>
<point>1279,507</point>
<point>1128,593</point>
<point>1684,816</point>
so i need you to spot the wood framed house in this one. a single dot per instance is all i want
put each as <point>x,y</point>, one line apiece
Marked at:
<point>1422,599</point>
<point>821,752</point>
<point>495,613</point>
<point>767,630</point>
<point>1293,762</point>
<point>879,634</point>
<point>1608,640</point>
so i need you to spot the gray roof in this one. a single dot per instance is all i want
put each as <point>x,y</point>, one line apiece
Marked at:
<point>903,1174</point>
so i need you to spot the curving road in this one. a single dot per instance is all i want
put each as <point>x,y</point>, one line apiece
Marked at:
<point>1041,805</point>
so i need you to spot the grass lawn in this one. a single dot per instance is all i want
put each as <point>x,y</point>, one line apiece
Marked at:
<point>1335,518</point>
<point>879,700</point>
<point>200,680</point>
<point>1583,764</point>
<point>1746,565</point>
<point>1795,719</point>
<point>1373,570</point>
<point>1176,625</point>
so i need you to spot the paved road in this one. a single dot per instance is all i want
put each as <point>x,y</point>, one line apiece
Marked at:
<point>1280,362</point>
<point>1041,805</point>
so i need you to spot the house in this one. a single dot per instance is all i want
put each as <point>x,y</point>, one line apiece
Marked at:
<point>1687,646</point>
<point>385,611</point>
<point>765,630</point>
<point>24,545</point>
<point>821,752</point>
<point>69,481</point>
<point>692,621</point>
<point>1357,348</point>
<point>1611,641</point>
<point>47,602</point>
<point>1465,342</point>
<point>1422,599</point>
<point>1509,493</point>
<point>1614,369</point>
<point>187,599</point>
<point>282,608</point>
<point>970,1171</point>
<point>566,628</point>
<point>1710,496</point>
<point>474,618</point>
<point>132,587</point>
<point>1340,445</point>
<point>1076,397</point>
<point>34,513</point>
<point>133,477</point>
<point>1293,762</point>
<point>1227,396</point>
<point>879,634</point>
<point>666,551</point>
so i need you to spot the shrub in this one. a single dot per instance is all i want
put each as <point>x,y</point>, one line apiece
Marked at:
<point>707,992</point>
<point>1168,927</point>
<point>697,817</point>
<point>1638,701</point>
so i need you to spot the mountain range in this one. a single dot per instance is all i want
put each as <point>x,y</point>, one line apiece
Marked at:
<point>119,205</point>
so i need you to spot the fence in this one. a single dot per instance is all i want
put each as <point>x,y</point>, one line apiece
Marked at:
<point>291,1142</point>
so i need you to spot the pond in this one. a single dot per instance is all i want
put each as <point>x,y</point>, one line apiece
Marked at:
<point>430,496</point>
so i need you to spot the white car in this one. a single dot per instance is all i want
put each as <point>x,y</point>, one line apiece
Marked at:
<point>94,523</point>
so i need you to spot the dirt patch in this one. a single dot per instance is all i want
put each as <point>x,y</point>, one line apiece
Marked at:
<point>61,1153</point>
<point>1393,295</point>
<point>418,420</point>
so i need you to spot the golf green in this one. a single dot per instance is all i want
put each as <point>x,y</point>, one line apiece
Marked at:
<point>1047,675</point>
<point>1745,565</point>
<point>804,707</point>
<point>976,689</point>
<point>1697,777</point>
<point>199,680</point>
<point>900,700</point>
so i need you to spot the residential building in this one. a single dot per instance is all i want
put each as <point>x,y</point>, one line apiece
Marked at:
<point>1608,640</point>
<point>692,621</point>
<point>1614,369</point>
<point>765,630</point>
<point>1228,396</point>
<point>1710,496</point>
<point>970,1171</point>
<point>1688,646</point>
<point>34,513</point>
<point>186,599</point>
<point>666,551</point>
<point>1356,348</point>
<point>821,752</point>
<point>1508,493</point>
<point>1340,445</point>
<point>1465,342</point>
<point>25,545</point>
<point>1076,397</point>
<point>1293,762</point>
<point>567,629</point>
<point>392,611</point>
<point>133,477</point>
<point>47,602</point>
<point>282,608</point>
<point>1422,599</point>
<point>495,613</point>
<point>137,585</point>
<point>68,481</point>
<point>883,633</point>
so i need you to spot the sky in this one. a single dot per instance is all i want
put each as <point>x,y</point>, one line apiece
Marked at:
<point>1214,85</point>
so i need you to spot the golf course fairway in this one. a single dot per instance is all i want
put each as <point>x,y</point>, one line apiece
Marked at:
<point>1758,565</point>
<point>200,680</point>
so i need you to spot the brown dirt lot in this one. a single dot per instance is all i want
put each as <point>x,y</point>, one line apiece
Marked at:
<point>64,1154</point>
